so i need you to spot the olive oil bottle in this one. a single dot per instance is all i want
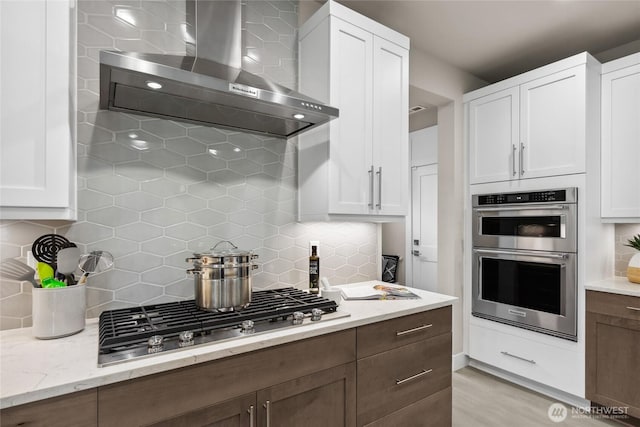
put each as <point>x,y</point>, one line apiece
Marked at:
<point>314,271</point>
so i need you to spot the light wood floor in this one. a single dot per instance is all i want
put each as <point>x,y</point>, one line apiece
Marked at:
<point>480,399</point>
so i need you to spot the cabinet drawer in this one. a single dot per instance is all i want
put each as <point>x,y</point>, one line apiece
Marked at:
<point>624,306</point>
<point>556,367</point>
<point>383,336</point>
<point>391,380</point>
<point>432,411</point>
<point>72,410</point>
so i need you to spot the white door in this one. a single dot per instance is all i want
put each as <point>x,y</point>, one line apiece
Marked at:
<point>36,143</point>
<point>390,127</point>
<point>351,166</point>
<point>552,124</point>
<point>621,143</point>
<point>425,227</point>
<point>493,137</point>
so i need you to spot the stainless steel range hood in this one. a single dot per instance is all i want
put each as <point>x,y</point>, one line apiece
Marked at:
<point>207,88</point>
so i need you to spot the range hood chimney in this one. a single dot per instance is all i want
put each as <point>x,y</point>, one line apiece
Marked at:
<point>209,88</point>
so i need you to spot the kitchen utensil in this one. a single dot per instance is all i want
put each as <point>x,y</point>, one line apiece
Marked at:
<point>50,282</point>
<point>45,248</point>
<point>222,278</point>
<point>45,271</point>
<point>13,269</point>
<point>324,283</point>
<point>68,259</point>
<point>94,262</point>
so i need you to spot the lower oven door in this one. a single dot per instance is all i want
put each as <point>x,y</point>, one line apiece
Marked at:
<point>532,290</point>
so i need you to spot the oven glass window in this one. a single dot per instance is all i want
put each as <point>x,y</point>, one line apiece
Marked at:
<point>526,226</point>
<point>536,286</point>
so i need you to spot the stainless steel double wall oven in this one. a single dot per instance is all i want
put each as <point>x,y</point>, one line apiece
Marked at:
<point>525,260</point>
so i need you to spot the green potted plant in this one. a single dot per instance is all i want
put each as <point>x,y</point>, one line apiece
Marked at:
<point>633,271</point>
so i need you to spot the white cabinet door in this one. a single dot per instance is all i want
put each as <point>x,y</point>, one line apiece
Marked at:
<point>350,176</point>
<point>552,124</point>
<point>493,137</point>
<point>390,127</point>
<point>37,155</point>
<point>621,144</point>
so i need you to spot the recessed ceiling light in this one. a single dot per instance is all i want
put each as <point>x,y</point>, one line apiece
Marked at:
<point>153,85</point>
<point>298,116</point>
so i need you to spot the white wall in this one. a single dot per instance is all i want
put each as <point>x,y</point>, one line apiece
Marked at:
<point>447,84</point>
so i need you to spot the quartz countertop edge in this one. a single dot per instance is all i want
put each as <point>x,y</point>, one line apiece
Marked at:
<point>33,369</point>
<point>615,285</point>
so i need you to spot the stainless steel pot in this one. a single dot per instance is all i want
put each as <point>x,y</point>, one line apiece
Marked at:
<point>222,278</point>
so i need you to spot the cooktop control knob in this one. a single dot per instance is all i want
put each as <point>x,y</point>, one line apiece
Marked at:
<point>316,314</point>
<point>154,343</point>
<point>298,317</point>
<point>247,327</point>
<point>186,336</point>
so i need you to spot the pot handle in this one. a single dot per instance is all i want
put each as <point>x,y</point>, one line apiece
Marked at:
<point>194,271</point>
<point>224,241</point>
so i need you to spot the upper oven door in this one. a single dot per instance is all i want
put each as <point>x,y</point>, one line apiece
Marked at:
<point>539,227</point>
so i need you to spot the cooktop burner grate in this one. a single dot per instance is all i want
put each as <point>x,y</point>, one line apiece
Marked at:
<point>127,327</point>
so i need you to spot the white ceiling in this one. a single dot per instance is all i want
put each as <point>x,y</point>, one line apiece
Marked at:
<point>494,40</point>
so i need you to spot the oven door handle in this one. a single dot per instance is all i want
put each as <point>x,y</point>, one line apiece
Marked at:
<point>554,255</point>
<point>522,208</point>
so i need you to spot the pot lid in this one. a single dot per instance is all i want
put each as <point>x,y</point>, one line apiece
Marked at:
<point>230,251</point>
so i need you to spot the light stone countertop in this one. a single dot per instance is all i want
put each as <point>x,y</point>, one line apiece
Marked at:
<point>32,369</point>
<point>615,285</point>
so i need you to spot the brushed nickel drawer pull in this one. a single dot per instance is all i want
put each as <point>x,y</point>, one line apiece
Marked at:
<point>506,353</point>
<point>634,308</point>
<point>410,331</point>
<point>267,406</point>
<point>251,411</point>
<point>414,377</point>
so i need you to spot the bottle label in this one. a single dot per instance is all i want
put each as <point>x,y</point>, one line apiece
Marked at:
<point>313,268</point>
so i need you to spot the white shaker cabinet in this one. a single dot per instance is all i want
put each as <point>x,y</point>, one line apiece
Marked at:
<point>494,136</point>
<point>531,126</point>
<point>37,110</point>
<point>620,170</point>
<point>356,166</point>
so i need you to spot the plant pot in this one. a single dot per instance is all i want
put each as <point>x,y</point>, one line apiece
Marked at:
<point>633,271</point>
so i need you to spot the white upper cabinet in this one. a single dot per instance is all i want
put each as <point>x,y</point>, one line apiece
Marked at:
<point>356,166</point>
<point>533,125</point>
<point>621,140</point>
<point>37,110</point>
<point>391,126</point>
<point>493,136</point>
<point>552,124</point>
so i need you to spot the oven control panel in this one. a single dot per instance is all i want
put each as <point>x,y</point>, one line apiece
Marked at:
<point>530,197</point>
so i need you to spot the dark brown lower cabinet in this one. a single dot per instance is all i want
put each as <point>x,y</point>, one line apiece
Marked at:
<point>613,351</point>
<point>392,373</point>
<point>432,411</point>
<point>71,410</point>
<point>404,371</point>
<point>238,412</point>
<point>317,400</point>
<point>322,399</point>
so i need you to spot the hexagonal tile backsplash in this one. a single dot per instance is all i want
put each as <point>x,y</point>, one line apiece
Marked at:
<point>154,191</point>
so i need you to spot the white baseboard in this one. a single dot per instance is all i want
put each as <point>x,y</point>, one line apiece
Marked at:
<point>459,361</point>
<point>554,393</point>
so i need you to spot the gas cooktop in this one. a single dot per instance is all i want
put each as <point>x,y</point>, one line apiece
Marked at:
<point>132,333</point>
